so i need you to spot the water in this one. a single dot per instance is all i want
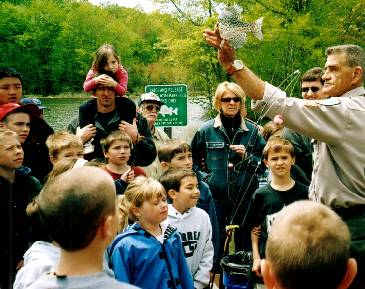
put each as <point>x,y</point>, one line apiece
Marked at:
<point>60,112</point>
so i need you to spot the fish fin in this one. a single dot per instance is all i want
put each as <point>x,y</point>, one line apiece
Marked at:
<point>258,29</point>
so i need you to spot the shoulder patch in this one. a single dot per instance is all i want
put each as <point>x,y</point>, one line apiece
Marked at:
<point>329,101</point>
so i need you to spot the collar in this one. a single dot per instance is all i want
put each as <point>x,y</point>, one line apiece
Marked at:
<point>357,91</point>
<point>176,214</point>
<point>218,123</point>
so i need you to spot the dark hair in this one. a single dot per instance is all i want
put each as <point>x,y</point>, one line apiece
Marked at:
<point>7,71</point>
<point>101,56</point>
<point>170,148</point>
<point>171,179</point>
<point>313,74</point>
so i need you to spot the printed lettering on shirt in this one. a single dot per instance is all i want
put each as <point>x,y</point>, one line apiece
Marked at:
<point>190,242</point>
<point>269,220</point>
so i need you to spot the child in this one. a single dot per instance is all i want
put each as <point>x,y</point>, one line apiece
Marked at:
<point>176,154</point>
<point>17,118</point>
<point>88,192</point>
<point>192,223</point>
<point>268,200</point>
<point>62,145</point>
<point>117,148</point>
<point>17,189</point>
<point>149,254</point>
<point>107,60</point>
<point>308,247</point>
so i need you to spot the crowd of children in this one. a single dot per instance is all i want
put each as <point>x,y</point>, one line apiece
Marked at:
<point>139,213</point>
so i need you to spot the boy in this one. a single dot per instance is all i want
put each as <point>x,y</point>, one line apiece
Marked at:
<point>117,148</point>
<point>64,145</point>
<point>268,200</point>
<point>17,118</point>
<point>149,254</point>
<point>17,189</point>
<point>192,223</point>
<point>176,154</point>
<point>78,211</point>
<point>308,247</point>
<point>11,89</point>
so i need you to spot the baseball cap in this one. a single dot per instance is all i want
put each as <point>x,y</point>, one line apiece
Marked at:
<point>35,101</point>
<point>7,108</point>
<point>150,97</point>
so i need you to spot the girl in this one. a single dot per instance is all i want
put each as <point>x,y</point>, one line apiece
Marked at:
<point>107,60</point>
<point>149,254</point>
<point>117,148</point>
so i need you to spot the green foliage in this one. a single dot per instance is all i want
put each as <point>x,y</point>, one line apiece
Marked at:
<point>52,42</point>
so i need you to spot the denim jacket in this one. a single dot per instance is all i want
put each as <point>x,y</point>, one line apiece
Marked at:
<point>231,178</point>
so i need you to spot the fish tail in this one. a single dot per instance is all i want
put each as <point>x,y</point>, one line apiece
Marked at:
<point>258,29</point>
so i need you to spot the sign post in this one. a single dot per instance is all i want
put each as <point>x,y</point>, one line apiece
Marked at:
<point>174,110</point>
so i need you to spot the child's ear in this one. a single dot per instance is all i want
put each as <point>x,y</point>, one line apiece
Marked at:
<point>164,165</point>
<point>265,162</point>
<point>135,211</point>
<point>53,159</point>
<point>172,194</point>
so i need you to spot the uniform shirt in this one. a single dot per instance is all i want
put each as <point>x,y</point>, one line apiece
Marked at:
<point>337,125</point>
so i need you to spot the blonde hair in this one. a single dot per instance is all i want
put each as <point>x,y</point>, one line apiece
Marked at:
<point>61,140</point>
<point>142,189</point>
<point>234,88</point>
<point>122,212</point>
<point>5,133</point>
<point>278,144</point>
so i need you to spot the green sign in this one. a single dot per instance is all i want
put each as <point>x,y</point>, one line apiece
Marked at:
<point>174,110</point>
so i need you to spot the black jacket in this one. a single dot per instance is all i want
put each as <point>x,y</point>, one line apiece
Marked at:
<point>14,237</point>
<point>143,153</point>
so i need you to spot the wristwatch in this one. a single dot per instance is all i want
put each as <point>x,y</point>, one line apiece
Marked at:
<point>237,65</point>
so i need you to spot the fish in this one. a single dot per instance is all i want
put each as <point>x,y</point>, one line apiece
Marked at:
<point>165,110</point>
<point>232,29</point>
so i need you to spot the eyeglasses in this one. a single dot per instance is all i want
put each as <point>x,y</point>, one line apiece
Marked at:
<point>313,89</point>
<point>229,99</point>
<point>151,106</point>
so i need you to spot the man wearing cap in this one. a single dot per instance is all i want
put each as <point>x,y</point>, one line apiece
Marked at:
<point>36,102</point>
<point>149,105</point>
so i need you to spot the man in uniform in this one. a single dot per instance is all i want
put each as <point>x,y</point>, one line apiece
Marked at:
<point>336,123</point>
<point>312,88</point>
